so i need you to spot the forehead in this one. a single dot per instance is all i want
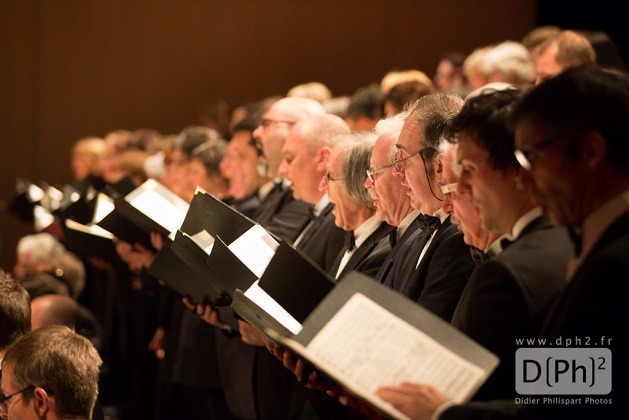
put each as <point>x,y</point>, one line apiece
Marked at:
<point>410,137</point>
<point>294,141</point>
<point>468,150</point>
<point>337,157</point>
<point>382,148</point>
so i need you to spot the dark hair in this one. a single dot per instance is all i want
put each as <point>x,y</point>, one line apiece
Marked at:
<point>485,119</point>
<point>367,101</point>
<point>192,137</point>
<point>580,100</point>
<point>15,310</point>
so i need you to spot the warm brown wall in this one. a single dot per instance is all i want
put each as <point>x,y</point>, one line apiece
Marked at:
<point>75,68</point>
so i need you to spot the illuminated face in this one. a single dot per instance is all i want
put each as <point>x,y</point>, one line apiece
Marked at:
<point>240,164</point>
<point>412,169</point>
<point>386,190</point>
<point>487,185</point>
<point>271,134</point>
<point>303,166</point>
<point>344,207</point>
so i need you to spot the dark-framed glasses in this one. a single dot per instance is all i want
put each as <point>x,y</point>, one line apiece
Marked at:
<point>328,178</point>
<point>527,157</point>
<point>399,159</point>
<point>4,400</point>
<point>371,172</point>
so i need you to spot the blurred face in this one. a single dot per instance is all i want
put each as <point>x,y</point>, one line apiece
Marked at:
<point>466,215</point>
<point>302,166</point>
<point>81,165</point>
<point>109,165</point>
<point>360,123</point>
<point>344,207</point>
<point>558,185</point>
<point>240,164</point>
<point>545,64</point>
<point>489,187</point>
<point>412,169</point>
<point>443,75</point>
<point>197,175</point>
<point>386,189</point>
<point>271,134</point>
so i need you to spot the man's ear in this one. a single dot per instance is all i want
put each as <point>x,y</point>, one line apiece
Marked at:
<point>42,402</point>
<point>323,156</point>
<point>439,167</point>
<point>593,150</point>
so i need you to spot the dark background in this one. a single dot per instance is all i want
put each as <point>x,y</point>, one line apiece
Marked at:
<point>71,68</point>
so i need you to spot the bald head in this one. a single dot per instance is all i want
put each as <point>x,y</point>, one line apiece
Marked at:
<point>277,123</point>
<point>53,310</point>
<point>306,152</point>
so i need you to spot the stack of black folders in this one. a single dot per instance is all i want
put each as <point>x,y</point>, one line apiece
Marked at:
<point>131,218</point>
<point>364,335</point>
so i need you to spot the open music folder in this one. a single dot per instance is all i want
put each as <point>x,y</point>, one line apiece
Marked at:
<point>222,245</point>
<point>289,289</point>
<point>151,207</point>
<point>364,335</point>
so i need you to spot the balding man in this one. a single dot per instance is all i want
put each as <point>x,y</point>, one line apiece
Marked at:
<point>305,156</point>
<point>438,267</point>
<point>389,195</point>
<point>563,50</point>
<point>279,212</point>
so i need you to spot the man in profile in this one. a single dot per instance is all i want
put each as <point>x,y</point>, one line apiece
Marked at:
<point>50,373</point>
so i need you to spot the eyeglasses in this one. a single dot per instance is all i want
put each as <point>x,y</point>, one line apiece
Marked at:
<point>4,399</point>
<point>266,122</point>
<point>371,173</point>
<point>448,190</point>
<point>527,158</point>
<point>398,160</point>
<point>327,178</point>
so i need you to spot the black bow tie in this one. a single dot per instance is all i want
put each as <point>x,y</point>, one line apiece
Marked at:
<point>504,243</point>
<point>576,239</point>
<point>350,241</point>
<point>478,256</point>
<point>426,222</point>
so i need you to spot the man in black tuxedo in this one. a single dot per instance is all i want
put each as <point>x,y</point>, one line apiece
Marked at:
<point>571,136</point>
<point>305,155</point>
<point>389,196</point>
<point>436,269</point>
<point>367,238</point>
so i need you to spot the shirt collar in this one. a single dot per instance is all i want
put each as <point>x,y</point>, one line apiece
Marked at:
<point>405,223</point>
<point>321,205</point>
<point>366,228</point>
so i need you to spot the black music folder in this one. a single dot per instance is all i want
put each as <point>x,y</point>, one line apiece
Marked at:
<point>208,213</point>
<point>149,208</point>
<point>364,335</point>
<point>296,286</point>
<point>90,241</point>
<point>174,273</point>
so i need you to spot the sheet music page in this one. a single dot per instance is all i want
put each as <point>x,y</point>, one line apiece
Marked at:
<point>255,248</point>
<point>104,206</point>
<point>91,229</point>
<point>271,307</point>
<point>370,347</point>
<point>160,209</point>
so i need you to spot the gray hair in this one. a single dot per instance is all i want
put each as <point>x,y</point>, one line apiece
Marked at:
<point>359,146</point>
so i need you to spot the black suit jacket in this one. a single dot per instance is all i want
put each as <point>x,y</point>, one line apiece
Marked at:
<point>369,256</point>
<point>439,279</point>
<point>281,214</point>
<point>398,253</point>
<point>591,305</point>
<point>323,240</point>
<point>508,295</point>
